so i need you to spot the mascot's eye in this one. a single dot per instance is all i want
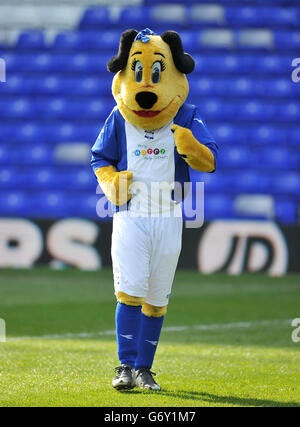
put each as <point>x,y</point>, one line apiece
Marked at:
<point>156,71</point>
<point>137,67</point>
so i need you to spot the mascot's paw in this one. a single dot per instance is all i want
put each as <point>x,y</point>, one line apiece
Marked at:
<point>197,155</point>
<point>114,184</point>
<point>184,140</point>
<point>122,182</point>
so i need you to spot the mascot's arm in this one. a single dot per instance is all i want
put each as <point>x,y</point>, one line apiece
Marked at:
<point>197,155</point>
<point>114,184</point>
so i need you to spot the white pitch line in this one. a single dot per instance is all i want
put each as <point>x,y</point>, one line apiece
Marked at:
<point>246,325</point>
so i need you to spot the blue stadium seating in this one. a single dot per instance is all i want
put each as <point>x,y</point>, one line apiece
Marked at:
<point>5,156</point>
<point>33,155</point>
<point>51,205</point>
<point>249,181</point>
<point>218,205</point>
<point>287,183</point>
<point>14,203</point>
<point>286,211</point>
<point>96,17</point>
<point>58,91</point>
<point>32,40</point>
<point>8,178</point>
<point>279,158</point>
<point>236,157</point>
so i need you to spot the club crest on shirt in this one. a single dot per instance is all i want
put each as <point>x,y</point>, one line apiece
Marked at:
<point>149,134</point>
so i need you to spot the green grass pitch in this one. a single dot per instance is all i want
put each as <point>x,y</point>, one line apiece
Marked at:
<point>226,341</point>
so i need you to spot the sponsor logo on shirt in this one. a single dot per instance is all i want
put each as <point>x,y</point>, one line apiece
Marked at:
<point>150,152</point>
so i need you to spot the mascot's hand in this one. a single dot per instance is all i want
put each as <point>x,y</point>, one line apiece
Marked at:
<point>197,155</point>
<point>114,184</point>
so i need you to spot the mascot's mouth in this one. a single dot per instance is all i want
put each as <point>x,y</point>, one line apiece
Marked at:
<point>144,113</point>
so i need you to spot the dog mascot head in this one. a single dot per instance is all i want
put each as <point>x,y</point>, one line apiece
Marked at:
<point>150,84</point>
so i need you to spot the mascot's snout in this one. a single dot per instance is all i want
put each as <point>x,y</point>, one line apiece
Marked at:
<point>146,100</point>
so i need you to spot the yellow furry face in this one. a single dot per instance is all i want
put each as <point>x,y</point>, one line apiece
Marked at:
<point>150,90</point>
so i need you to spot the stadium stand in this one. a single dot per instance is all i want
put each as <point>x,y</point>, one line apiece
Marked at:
<point>57,96</point>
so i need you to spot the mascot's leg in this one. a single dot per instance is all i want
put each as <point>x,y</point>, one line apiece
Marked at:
<point>151,325</point>
<point>166,235</point>
<point>130,256</point>
<point>128,323</point>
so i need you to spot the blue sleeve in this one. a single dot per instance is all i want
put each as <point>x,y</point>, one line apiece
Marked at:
<point>105,152</point>
<point>202,134</point>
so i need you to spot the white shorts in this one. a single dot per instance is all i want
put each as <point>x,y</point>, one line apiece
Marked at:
<point>145,252</point>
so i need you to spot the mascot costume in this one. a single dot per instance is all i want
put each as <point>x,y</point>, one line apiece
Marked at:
<point>151,136</point>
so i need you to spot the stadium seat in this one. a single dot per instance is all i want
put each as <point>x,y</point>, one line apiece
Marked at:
<point>14,203</point>
<point>87,40</point>
<point>250,181</point>
<point>32,40</point>
<point>254,206</point>
<point>79,179</point>
<point>266,134</point>
<point>5,155</point>
<point>18,108</point>
<point>70,132</point>
<point>272,63</point>
<point>224,133</point>
<point>255,39</point>
<point>72,154</point>
<point>272,17</point>
<point>246,16</point>
<point>253,110</point>
<point>289,111</point>
<point>84,205</point>
<point>26,132</point>
<point>285,17</point>
<point>74,85</point>
<point>35,154</point>
<point>217,206</point>
<point>8,178</point>
<point>286,211</point>
<point>40,178</point>
<point>211,38</point>
<point>236,157</point>
<point>287,183</point>
<point>213,182</point>
<point>281,87</point>
<point>95,17</point>
<point>206,15</point>
<point>168,15</point>
<point>287,39</point>
<point>278,158</point>
<point>294,135</point>
<point>53,204</point>
<point>212,109</point>
<point>16,84</point>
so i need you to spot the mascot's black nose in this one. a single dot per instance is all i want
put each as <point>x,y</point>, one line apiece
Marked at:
<point>146,100</point>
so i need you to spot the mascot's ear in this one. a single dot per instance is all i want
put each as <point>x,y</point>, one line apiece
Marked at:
<point>119,62</point>
<point>183,61</point>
